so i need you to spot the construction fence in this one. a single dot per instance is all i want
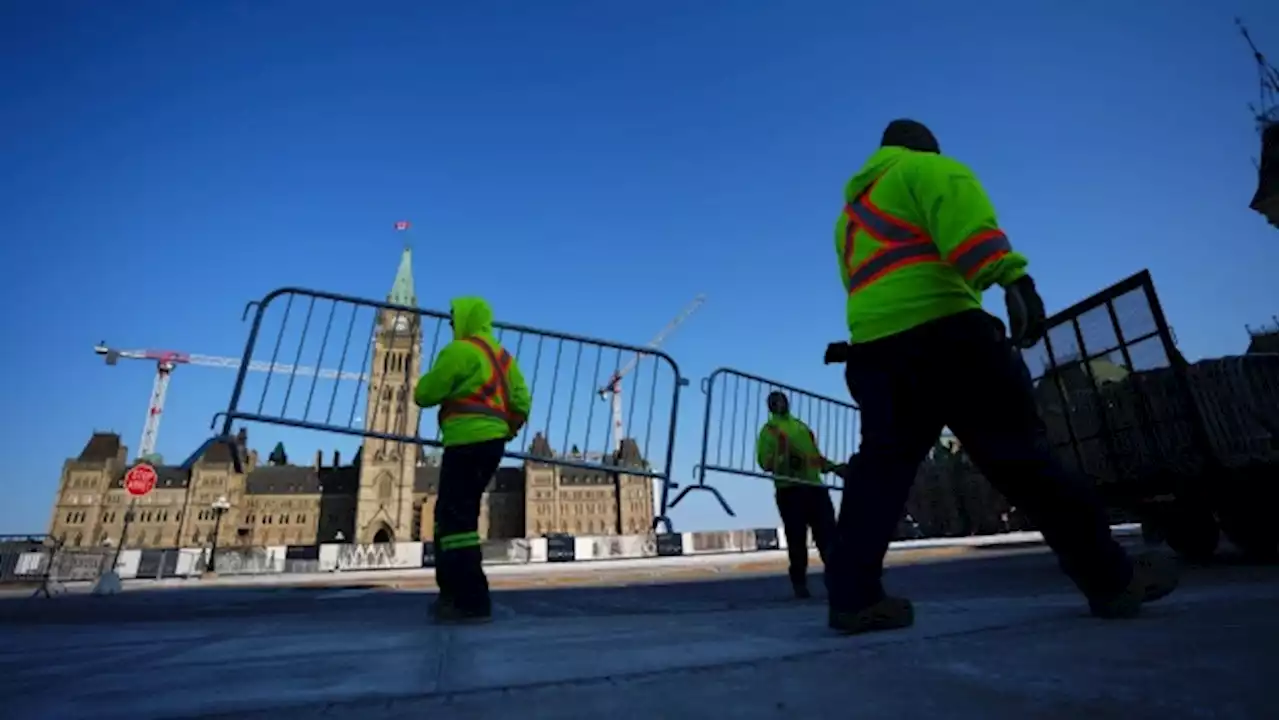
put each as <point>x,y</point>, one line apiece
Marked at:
<point>301,560</point>
<point>40,559</point>
<point>38,562</point>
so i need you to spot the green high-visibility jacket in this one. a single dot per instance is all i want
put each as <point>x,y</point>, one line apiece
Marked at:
<point>787,448</point>
<point>461,369</point>
<point>918,240</point>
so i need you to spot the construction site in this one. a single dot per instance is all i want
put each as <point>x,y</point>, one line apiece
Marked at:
<point>244,582</point>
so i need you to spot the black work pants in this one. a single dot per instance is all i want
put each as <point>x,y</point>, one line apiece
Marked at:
<point>465,471</point>
<point>961,372</point>
<point>805,507</point>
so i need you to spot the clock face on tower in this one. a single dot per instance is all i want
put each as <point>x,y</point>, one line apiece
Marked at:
<point>400,324</point>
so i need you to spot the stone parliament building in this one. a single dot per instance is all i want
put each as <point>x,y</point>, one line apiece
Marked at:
<point>386,493</point>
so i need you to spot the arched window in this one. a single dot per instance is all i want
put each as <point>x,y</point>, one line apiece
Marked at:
<point>384,487</point>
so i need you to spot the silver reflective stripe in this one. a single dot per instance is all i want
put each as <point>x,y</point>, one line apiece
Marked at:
<point>875,266</point>
<point>878,227</point>
<point>971,259</point>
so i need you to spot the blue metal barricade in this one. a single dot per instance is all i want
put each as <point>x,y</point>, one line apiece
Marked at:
<point>349,365</point>
<point>734,414</point>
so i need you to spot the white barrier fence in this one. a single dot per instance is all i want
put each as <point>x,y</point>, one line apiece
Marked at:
<point>334,557</point>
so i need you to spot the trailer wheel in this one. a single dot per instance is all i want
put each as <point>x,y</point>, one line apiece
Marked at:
<point>1251,537</point>
<point>1191,530</point>
<point>1151,534</point>
<point>1247,512</point>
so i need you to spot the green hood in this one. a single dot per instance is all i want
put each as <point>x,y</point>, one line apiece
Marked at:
<point>471,316</point>
<point>875,166</point>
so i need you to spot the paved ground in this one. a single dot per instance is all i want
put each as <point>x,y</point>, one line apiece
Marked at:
<point>999,634</point>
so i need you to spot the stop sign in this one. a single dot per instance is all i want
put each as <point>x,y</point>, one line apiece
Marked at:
<point>140,479</point>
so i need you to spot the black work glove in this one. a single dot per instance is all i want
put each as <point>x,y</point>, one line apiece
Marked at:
<point>1026,312</point>
<point>837,352</point>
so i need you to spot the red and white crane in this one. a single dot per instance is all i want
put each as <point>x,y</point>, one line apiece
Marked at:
<point>613,389</point>
<point>168,360</point>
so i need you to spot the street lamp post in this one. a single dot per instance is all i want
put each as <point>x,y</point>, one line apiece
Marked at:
<point>220,506</point>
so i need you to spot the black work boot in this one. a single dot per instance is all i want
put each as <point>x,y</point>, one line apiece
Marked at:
<point>445,612</point>
<point>802,591</point>
<point>1154,576</point>
<point>890,613</point>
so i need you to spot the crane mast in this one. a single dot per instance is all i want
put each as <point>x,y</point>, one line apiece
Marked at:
<point>168,360</point>
<point>613,389</point>
<point>1266,113</point>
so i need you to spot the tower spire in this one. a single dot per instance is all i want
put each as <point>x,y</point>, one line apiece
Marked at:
<point>402,287</point>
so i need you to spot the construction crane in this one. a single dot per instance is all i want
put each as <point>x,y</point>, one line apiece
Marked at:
<point>613,389</point>
<point>168,360</point>
<point>1265,115</point>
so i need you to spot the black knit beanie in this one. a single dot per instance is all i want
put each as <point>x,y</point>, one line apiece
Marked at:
<point>911,135</point>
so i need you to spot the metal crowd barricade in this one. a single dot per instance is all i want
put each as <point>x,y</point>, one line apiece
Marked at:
<point>734,414</point>
<point>325,369</point>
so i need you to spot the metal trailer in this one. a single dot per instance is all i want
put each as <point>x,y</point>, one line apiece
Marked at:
<point>1187,448</point>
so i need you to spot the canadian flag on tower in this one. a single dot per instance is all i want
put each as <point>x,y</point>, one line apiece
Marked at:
<point>402,225</point>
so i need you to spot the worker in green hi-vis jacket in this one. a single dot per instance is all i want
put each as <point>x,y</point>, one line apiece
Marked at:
<point>917,244</point>
<point>788,449</point>
<point>483,403</point>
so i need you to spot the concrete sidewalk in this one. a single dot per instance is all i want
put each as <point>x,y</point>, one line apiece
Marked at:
<point>1000,658</point>
<point>998,637</point>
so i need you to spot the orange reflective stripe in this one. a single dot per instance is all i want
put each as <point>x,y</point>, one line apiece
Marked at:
<point>901,243</point>
<point>784,445</point>
<point>781,437</point>
<point>493,398</point>
<point>979,251</point>
<point>816,460</point>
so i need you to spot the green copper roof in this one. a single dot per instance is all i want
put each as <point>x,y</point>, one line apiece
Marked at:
<point>402,288</point>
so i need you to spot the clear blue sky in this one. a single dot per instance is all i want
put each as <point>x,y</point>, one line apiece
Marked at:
<point>587,166</point>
